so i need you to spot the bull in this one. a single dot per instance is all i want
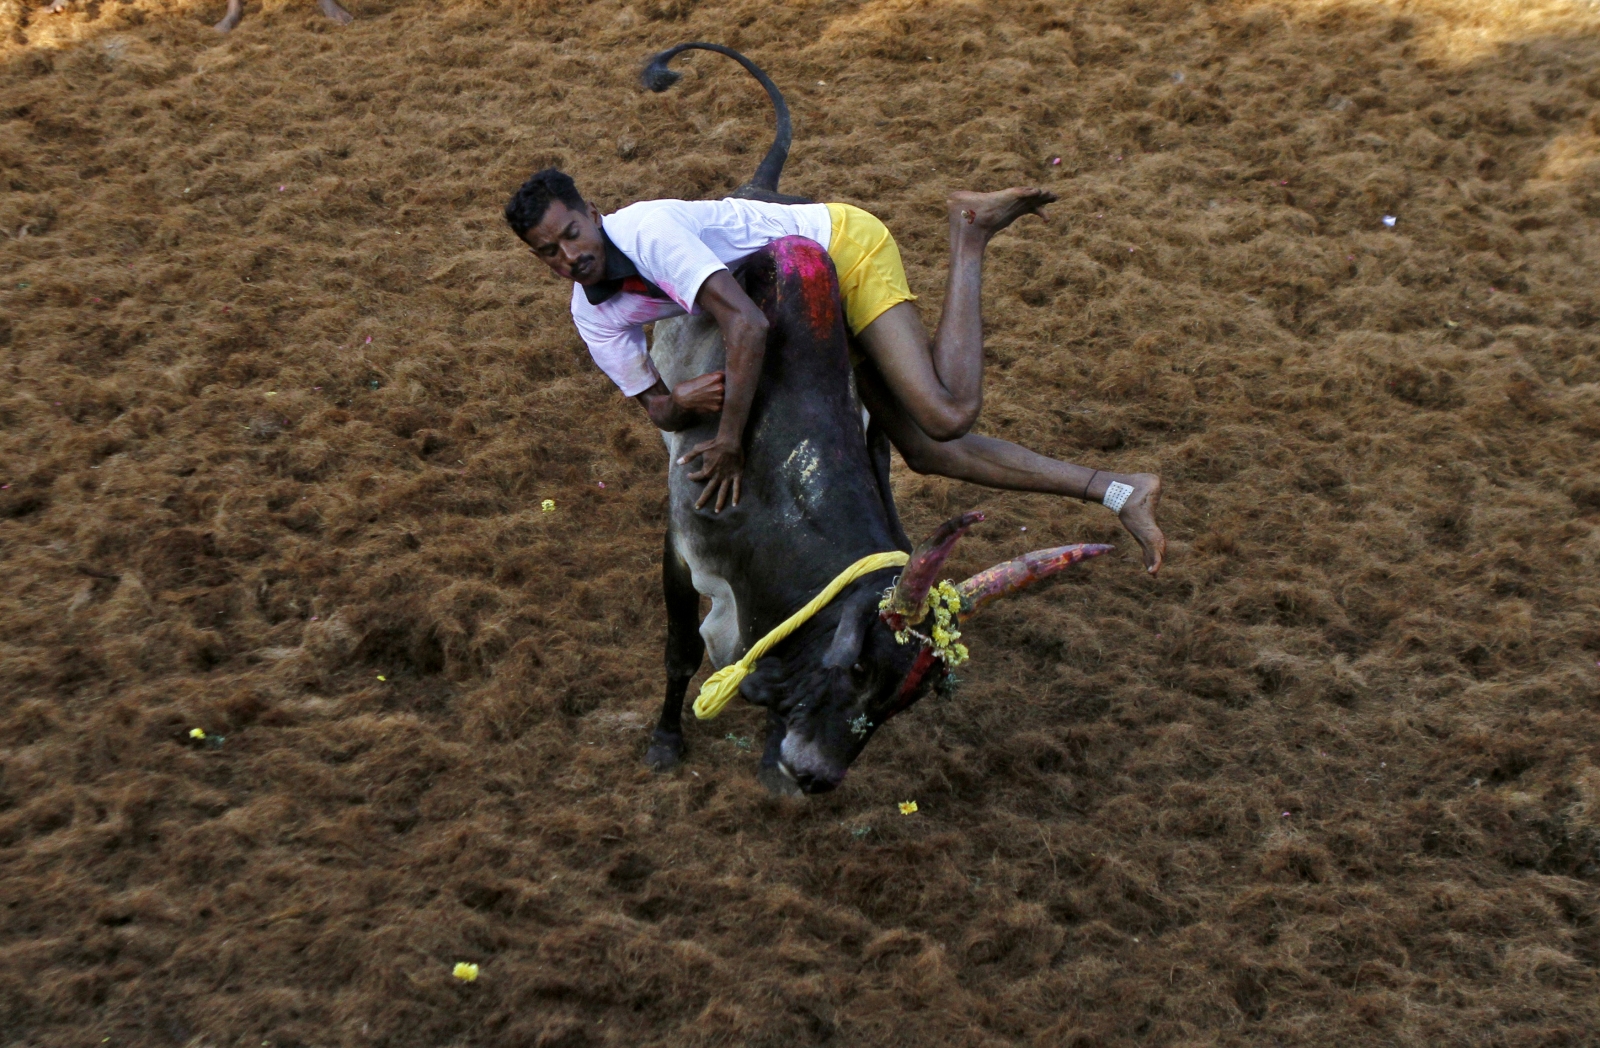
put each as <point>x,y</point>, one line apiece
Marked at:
<point>816,499</point>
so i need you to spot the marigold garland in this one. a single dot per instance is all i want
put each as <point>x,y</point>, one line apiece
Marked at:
<point>944,602</point>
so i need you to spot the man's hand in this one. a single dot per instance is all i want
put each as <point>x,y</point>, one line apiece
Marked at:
<point>721,467</point>
<point>692,402</point>
<point>700,396</point>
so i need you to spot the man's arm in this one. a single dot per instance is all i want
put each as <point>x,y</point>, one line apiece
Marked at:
<point>672,410</point>
<point>744,334</point>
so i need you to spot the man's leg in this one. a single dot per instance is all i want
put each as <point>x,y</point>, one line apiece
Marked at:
<point>1001,464</point>
<point>941,385</point>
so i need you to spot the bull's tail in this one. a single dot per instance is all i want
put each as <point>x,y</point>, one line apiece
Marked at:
<point>763,185</point>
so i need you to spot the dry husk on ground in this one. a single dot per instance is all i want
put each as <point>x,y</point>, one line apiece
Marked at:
<point>281,398</point>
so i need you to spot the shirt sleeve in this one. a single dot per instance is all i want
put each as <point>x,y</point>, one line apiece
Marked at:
<point>670,254</point>
<point>621,351</point>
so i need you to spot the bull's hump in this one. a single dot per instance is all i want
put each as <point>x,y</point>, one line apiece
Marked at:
<point>804,264</point>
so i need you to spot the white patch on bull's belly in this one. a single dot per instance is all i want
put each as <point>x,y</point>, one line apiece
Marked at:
<point>720,630</point>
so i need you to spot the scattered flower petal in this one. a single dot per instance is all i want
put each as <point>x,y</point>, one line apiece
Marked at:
<point>1055,161</point>
<point>602,484</point>
<point>465,972</point>
<point>382,677</point>
<point>369,339</point>
<point>548,505</point>
<point>908,807</point>
<point>197,733</point>
<point>1390,220</point>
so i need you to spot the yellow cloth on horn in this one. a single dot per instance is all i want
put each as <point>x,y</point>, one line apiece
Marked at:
<point>723,685</point>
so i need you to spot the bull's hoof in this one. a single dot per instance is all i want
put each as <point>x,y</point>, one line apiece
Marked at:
<point>665,752</point>
<point>778,782</point>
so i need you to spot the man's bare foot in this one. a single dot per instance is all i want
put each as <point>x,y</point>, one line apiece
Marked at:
<point>989,213</point>
<point>230,21</point>
<point>1138,515</point>
<point>332,9</point>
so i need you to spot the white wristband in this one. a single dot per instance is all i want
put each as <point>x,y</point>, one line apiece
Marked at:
<point>1116,496</point>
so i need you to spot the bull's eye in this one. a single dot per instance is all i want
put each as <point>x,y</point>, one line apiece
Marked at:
<point>859,673</point>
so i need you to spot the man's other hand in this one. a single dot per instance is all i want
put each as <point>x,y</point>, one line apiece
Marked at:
<point>721,467</point>
<point>700,396</point>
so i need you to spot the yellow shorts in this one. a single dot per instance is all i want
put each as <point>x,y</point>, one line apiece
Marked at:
<point>871,277</point>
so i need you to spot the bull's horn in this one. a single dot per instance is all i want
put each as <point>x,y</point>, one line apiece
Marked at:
<point>908,603</point>
<point>1013,575</point>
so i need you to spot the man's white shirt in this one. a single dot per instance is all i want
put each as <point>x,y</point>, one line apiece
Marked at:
<point>677,245</point>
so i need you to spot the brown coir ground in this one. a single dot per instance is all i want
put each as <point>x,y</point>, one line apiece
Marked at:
<point>282,397</point>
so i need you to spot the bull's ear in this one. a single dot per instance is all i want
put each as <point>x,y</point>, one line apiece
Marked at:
<point>764,684</point>
<point>851,632</point>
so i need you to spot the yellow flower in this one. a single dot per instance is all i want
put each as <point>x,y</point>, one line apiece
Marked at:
<point>908,807</point>
<point>197,733</point>
<point>548,505</point>
<point>465,972</point>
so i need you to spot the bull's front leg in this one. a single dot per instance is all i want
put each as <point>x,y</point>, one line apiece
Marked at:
<point>685,649</point>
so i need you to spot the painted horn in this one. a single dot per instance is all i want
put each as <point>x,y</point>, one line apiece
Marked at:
<point>908,603</point>
<point>1013,575</point>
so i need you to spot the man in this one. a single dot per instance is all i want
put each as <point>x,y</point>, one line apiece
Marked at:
<point>662,258</point>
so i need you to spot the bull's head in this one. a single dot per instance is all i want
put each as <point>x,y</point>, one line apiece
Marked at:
<point>878,661</point>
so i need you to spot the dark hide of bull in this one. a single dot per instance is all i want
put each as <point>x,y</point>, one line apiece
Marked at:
<point>812,505</point>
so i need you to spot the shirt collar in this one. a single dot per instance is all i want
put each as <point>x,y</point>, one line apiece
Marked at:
<point>618,267</point>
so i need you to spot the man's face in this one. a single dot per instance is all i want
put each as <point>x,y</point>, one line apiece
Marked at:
<point>568,241</point>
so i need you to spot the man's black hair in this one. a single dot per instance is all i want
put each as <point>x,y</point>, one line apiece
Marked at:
<point>527,206</point>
